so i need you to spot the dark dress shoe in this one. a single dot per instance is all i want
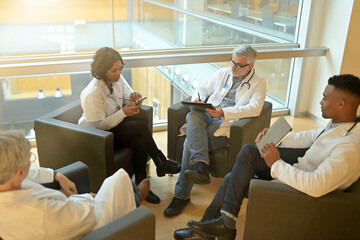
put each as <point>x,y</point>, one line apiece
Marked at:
<point>152,198</point>
<point>199,174</point>
<point>213,228</point>
<point>176,207</point>
<point>166,167</point>
<point>189,234</point>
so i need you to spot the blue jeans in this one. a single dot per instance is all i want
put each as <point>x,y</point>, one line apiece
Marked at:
<point>199,141</point>
<point>136,194</point>
<point>235,185</point>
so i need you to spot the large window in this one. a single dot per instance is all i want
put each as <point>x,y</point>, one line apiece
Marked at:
<point>31,29</point>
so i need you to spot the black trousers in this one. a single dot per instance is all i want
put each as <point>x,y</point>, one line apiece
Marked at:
<point>135,134</point>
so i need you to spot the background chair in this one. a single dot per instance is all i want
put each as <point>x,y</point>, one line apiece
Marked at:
<point>60,142</point>
<point>221,160</point>
<point>277,211</point>
<point>126,227</point>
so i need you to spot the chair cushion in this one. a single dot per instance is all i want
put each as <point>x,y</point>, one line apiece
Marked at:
<point>71,115</point>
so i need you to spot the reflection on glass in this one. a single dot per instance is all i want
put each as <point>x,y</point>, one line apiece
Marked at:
<point>63,26</point>
<point>48,27</point>
<point>37,87</point>
<point>276,72</point>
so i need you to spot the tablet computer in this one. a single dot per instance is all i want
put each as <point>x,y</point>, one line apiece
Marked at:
<point>197,106</point>
<point>276,133</point>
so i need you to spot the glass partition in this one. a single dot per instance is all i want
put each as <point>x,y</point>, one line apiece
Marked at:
<point>24,99</point>
<point>47,27</point>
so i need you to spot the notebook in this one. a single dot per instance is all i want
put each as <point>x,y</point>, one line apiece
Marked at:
<point>276,133</point>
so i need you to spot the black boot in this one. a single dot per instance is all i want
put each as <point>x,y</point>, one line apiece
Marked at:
<point>164,166</point>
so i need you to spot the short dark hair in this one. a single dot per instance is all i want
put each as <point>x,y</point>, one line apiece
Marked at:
<point>103,60</point>
<point>346,82</point>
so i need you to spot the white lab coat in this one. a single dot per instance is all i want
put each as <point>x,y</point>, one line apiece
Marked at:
<point>332,162</point>
<point>101,108</point>
<point>249,101</point>
<point>36,212</point>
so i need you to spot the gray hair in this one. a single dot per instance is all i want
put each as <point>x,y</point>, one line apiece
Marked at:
<point>246,51</point>
<point>14,153</point>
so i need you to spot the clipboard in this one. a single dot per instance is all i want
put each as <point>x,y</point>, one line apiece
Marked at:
<point>198,106</point>
<point>276,133</point>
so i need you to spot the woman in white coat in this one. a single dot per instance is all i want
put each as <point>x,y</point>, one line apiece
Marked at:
<point>107,101</point>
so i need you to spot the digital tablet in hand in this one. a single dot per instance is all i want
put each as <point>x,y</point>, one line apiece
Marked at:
<point>198,106</point>
<point>276,133</point>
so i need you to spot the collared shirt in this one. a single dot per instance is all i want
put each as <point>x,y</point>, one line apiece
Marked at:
<point>248,101</point>
<point>229,99</point>
<point>102,109</point>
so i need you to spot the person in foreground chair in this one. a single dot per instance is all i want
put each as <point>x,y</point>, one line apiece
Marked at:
<point>32,211</point>
<point>107,101</point>
<point>236,92</point>
<point>331,161</point>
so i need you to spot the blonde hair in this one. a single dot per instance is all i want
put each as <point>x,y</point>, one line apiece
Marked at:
<point>14,153</point>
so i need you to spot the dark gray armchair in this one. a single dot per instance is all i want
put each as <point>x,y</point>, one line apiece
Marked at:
<point>221,160</point>
<point>126,227</point>
<point>60,142</point>
<point>277,211</point>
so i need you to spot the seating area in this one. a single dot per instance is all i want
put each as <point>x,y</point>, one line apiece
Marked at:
<point>267,200</point>
<point>222,160</point>
<point>70,143</point>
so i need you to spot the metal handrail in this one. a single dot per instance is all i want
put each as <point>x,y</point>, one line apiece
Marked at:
<point>77,63</point>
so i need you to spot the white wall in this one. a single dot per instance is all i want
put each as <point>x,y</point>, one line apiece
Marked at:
<point>328,27</point>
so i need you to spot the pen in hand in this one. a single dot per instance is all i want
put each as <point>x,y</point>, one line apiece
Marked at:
<point>206,99</point>
<point>199,97</point>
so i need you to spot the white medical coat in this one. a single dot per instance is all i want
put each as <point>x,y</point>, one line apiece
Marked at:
<point>101,108</point>
<point>332,162</point>
<point>249,101</point>
<point>36,212</point>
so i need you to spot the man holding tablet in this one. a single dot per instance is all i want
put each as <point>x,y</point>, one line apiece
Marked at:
<point>315,162</point>
<point>235,92</point>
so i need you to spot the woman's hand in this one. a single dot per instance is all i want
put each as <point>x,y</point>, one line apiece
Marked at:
<point>67,187</point>
<point>135,96</point>
<point>131,109</point>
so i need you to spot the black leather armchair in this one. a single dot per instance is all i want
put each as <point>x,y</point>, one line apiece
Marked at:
<point>61,141</point>
<point>126,227</point>
<point>221,160</point>
<point>277,211</point>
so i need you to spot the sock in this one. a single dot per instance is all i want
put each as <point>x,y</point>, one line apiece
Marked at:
<point>228,222</point>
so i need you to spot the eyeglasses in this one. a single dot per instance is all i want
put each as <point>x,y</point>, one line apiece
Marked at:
<point>32,157</point>
<point>236,64</point>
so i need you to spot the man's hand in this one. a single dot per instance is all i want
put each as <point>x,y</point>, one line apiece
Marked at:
<point>217,113</point>
<point>270,153</point>
<point>131,109</point>
<point>260,135</point>
<point>67,187</point>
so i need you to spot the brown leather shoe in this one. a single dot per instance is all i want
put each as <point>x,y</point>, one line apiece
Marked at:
<point>144,187</point>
